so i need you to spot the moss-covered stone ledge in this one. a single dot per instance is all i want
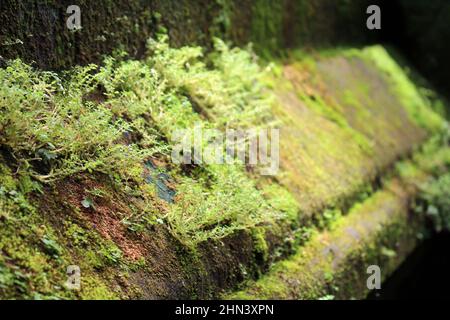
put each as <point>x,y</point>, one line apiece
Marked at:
<point>381,230</point>
<point>334,263</point>
<point>346,117</point>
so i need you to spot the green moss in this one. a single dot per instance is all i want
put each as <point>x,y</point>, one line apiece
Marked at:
<point>282,200</point>
<point>377,230</point>
<point>36,268</point>
<point>266,26</point>
<point>35,255</point>
<point>7,182</point>
<point>76,234</point>
<point>316,164</point>
<point>93,289</point>
<point>316,267</point>
<point>75,136</point>
<point>418,108</point>
<point>30,268</point>
<point>333,113</point>
<point>229,95</point>
<point>434,202</point>
<point>232,203</point>
<point>261,249</point>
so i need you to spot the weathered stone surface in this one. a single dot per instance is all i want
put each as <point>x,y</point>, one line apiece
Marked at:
<point>344,125</point>
<point>36,30</point>
<point>380,231</point>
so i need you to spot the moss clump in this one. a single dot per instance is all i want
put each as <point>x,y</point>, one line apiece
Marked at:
<point>112,119</point>
<point>35,255</point>
<point>232,203</point>
<point>434,202</point>
<point>52,132</point>
<point>314,168</point>
<point>418,108</point>
<point>282,200</point>
<point>231,94</point>
<point>267,26</point>
<point>261,249</point>
<point>342,102</point>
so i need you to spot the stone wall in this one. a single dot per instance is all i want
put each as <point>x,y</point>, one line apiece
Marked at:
<point>36,30</point>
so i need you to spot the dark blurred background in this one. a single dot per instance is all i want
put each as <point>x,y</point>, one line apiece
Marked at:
<point>420,29</point>
<point>424,274</point>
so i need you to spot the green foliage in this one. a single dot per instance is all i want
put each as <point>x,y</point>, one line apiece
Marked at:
<point>230,93</point>
<point>52,131</point>
<point>267,26</point>
<point>282,201</point>
<point>226,89</point>
<point>6,277</point>
<point>434,201</point>
<point>328,217</point>
<point>51,246</point>
<point>87,202</point>
<point>111,253</point>
<point>110,119</point>
<point>231,203</point>
<point>138,92</point>
<point>261,248</point>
